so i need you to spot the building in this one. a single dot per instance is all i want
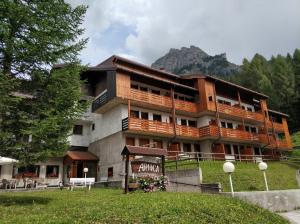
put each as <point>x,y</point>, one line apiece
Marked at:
<point>199,115</point>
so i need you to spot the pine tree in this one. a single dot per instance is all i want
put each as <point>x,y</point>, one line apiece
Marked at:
<point>35,35</point>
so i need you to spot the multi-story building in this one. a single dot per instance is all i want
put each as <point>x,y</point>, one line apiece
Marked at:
<point>196,114</point>
<point>137,105</point>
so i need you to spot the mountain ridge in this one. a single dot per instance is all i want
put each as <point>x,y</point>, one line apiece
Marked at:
<point>194,60</point>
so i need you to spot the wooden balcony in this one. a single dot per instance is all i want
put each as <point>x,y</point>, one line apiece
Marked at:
<point>162,101</point>
<point>230,134</point>
<point>277,126</point>
<point>239,112</point>
<point>158,128</point>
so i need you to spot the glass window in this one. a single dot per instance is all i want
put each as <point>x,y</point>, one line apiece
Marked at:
<point>230,125</point>
<point>29,171</point>
<point>210,98</point>
<point>77,129</point>
<point>155,91</point>
<point>183,122</point>
<point>52,171</point>
<point>223,124</point>
<point>192,123</point>
<point>156,117</point>
<point>135,114</point>
<point>145,89</point>
<point>253,130</point>
<point>144,115</point>
<point>134,86</point>
<point>227,149</point>
<point>187,147</point>
<point>93,126</point>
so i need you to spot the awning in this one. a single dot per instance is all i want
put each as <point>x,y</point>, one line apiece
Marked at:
<point>6,161</point>
<point>143,151</point>
<point>82,155</point>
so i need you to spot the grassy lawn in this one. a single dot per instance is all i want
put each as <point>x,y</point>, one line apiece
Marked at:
<point>111,206</point>
<point>247,176</point>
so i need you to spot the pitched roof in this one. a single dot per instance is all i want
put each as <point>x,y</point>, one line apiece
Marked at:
<point>143,151</point>
<point>81,155</point>
<point>277,112</point>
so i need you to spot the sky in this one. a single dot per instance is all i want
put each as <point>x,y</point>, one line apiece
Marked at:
<point>145,30</point>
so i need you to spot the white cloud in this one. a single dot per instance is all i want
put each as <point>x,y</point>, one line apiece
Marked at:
<point>239,28</point>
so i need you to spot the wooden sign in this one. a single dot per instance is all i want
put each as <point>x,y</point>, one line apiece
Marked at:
<point>144,167</point>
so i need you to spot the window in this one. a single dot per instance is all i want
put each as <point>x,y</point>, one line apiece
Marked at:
<point>249,108</point>
<point>134,114</point>
<point>171,119</point>
<point>210,98</point>
<point>158,144</point>
<point>145,89</point>
<point>227,149</point>
<point>253,130</point>
<point>183,122</point>
<point>257,151</point>
<point>192,123</point>
<point>181,97</point>
<point>197,148</point>
<point>93,126</point>
<point>77,129</point>
<point>156,117</point>
<point>155,91</point>
<point>281,136</point>
<point>223,124</point>
<point>187,147</point>
<point>52,171</point>
<point>29,171</point>
<point>110,172</point>
<point>189,99</point>
<point>230,125</point>
<point>144,142</point>
<point>247,128</point>
<point>144,115</point>
<point>130,141</point>
<point>243,107</point>
<point>134,86</point>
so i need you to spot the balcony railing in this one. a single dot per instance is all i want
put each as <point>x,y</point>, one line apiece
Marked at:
<point>239,112</point>
<point>160,100</point>
<point>213,130</point>
<point>158,127</point>
<point>100,101</point>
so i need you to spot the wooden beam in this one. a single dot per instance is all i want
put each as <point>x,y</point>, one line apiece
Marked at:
<point>173,111</point>
<point>126,173</point>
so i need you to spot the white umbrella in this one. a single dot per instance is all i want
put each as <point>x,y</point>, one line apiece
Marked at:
<point>6,160</point>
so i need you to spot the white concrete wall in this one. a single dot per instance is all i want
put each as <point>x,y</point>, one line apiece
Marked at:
<point>109,123</point>
<point>204,121</point>
<point>84,139</point>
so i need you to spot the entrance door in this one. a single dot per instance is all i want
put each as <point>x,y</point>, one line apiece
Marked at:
<point>80,169</point>
<point>174,149</point>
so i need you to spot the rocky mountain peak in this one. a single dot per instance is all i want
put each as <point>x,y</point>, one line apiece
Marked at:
<point>192,60</point>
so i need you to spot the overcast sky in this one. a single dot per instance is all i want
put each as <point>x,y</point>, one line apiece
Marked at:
<point>145,30</point>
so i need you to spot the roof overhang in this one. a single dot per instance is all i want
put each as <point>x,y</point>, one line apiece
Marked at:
<point>143,151</point>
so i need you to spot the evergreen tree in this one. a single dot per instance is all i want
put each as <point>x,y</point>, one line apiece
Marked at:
<point>35,35</point>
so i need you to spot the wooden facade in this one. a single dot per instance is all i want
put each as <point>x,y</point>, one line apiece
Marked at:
<point>202,100</point>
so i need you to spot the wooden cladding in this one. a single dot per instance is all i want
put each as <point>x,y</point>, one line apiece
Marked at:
<point>163,128</point>
<point>277,126</point>
<point>155,99</point>
<point>239,112</point>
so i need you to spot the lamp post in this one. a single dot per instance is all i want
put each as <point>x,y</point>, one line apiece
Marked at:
<point>228,168</point>
<point>85,170</point>
<point>263,167</point>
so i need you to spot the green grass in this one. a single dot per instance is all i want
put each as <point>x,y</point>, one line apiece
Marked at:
<point>296,138</point>
<point>112,206</point>
<point>247,176</point>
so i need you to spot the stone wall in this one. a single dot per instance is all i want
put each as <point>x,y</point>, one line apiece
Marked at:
<point>275,201</point>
